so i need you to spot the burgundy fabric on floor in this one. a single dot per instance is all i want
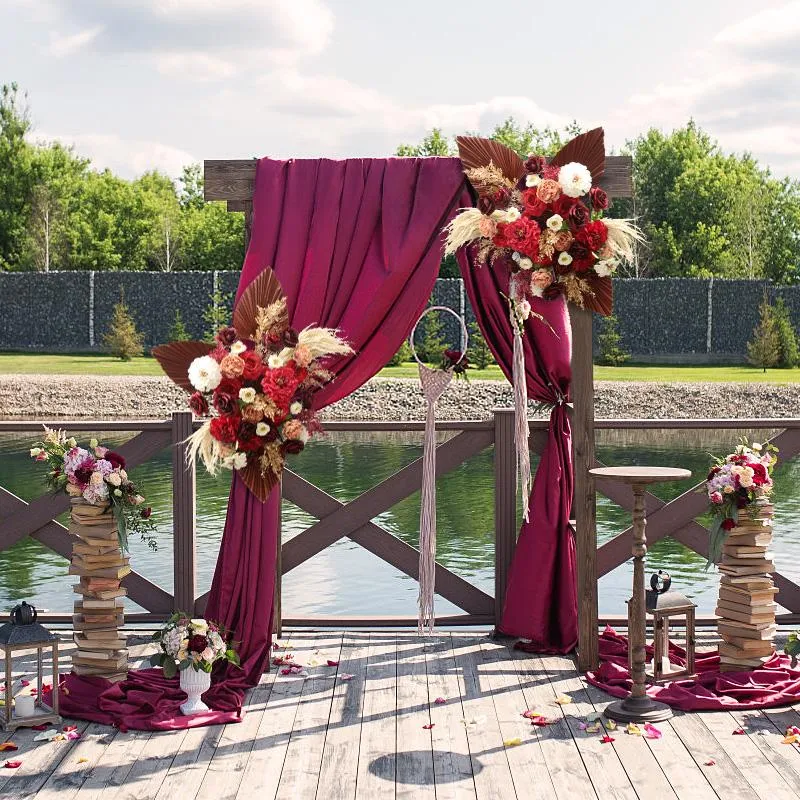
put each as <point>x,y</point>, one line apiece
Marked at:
<point>541,599</point>
<point>356,245</point>
<point>775,684</point>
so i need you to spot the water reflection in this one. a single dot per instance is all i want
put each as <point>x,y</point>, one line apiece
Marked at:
<point>346,579</point>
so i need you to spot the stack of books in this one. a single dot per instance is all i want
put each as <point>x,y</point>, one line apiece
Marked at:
<point>746,605</point>
<point>98,614</point>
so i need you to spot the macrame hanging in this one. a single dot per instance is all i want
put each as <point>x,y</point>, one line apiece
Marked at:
<point>434,381</point>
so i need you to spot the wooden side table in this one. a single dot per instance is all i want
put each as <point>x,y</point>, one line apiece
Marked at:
<point>638,707</point>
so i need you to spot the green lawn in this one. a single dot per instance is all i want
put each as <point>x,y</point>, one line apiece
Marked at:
<point>33,364</point>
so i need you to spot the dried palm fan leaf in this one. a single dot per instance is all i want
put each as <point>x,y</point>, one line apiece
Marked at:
<point>262,292</point>
<point>601,298</point>
<point>587,149</point>
<point>475,152</point>
<point>259,484</point>
<point>176,357</point>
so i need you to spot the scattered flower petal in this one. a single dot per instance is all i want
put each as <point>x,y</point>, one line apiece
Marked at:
<point>8,746</point>
<point>440,701</point>
<point>332,663</point>
<point>43,727</point>
<point>81,760</point>
<point>541,722</point>
<point>740,732</point>
<point>611,725</point>
<point>24,682</point>
<point>68,728</point>
<point>531,714</point>
<point>72,735</point>
<point>428,726</point>
<point>582,726</point>
<point>633,729</point>
<point>512,742</point>
<point>607,739</point>
<point>346,676</point>
<point>791,738</point>
<point>473,721</point>
<point>563,699</point>
<point>595,727</point>
<point>12,764</point>
<point>710,763</point>
<point>651,732</point>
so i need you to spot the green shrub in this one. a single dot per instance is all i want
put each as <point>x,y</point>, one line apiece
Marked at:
<point>788,354</point>
<point>763,348</point>
<point>122,339</point>
<point>478,352</point>
<point>401,356</point>
<point>178,332</point>
<point>612,353</point>
<point>217,314</point>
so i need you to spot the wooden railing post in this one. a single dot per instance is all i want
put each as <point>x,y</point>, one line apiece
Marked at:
<point>183,513</point>
<point>505,505</point>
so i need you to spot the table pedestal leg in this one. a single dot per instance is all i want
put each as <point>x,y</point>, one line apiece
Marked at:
<point>638,707</point>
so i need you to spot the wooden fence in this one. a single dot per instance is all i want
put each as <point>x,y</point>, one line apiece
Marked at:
<point>355,520</point>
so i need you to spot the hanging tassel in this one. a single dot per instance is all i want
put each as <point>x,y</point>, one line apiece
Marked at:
<point>521,416</point>
<point>427,526</point>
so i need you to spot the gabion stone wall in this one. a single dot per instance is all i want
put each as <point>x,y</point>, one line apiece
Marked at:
<point>669,319</point>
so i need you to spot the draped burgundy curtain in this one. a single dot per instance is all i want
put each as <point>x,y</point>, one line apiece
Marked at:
<point>541,600</point>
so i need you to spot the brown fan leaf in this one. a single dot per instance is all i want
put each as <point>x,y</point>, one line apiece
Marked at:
<point>259,484</point>
<point>475,151</point>
<point>262,292</point>
<point>176,357</point>
<point>588,149</point>
<point>602,301</point>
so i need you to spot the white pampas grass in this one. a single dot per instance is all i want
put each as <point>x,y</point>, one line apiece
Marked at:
<point>462,229</point>
<point>323,342</point>
<point>204,445</point>
<point>622,235</point>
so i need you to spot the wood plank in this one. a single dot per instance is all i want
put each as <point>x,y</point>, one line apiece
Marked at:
<point>602,763</point>
<point>377,756</point>
<point>452,767</point>
<point>414,741</point>
<point>490,767</point>
<point>527,763</point>
<point>112,770</point>
<point>339,768</point>
<point>301,767</point>
<point>150,769</point>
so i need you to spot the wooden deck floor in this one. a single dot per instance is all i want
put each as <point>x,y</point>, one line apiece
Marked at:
<point>372,728</point>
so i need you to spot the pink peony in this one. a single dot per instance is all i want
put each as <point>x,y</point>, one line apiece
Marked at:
<point>716,498</point>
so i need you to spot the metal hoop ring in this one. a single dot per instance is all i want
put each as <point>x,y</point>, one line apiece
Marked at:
<point>464,333</point>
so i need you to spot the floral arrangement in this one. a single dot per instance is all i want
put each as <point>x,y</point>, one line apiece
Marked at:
<point>456,361</point>
<point>256,383</point>
<point>739,480</point>
<point>191,644</point>
<point>97,475</point>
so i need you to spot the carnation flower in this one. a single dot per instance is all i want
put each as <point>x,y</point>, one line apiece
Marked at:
<point>548,191</point>
<point>574,179</point>
<point>252,413</point>
<point>555,222</point>
<point>204,374</point>
<point>487,227</point>
<point>293,429</point>
<point>114,479</point>
<point>237,348</point>
<point>247,394</point>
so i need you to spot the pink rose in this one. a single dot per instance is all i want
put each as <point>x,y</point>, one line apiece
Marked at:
<point>541,278</point>
<point>716,498</point>
<point>100,452</point>
<point>207,654</point>
<point>548,191</point>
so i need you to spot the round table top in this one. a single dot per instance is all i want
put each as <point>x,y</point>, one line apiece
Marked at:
<point>641,474</point>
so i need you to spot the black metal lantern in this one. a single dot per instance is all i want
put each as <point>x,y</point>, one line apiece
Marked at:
<point>24,633</point>
<point>663,606</point>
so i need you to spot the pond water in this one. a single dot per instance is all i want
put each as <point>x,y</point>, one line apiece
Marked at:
<point>344,578</point>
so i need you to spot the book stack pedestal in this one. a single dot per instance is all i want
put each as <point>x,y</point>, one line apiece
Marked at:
<point>98,615</point>
<point>746,605</point>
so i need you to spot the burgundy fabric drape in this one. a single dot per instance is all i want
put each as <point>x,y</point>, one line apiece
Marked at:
<point>541,599</point>
<point>777,683</point>
<point>356,245</point>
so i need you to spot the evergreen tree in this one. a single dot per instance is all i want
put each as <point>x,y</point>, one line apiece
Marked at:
<point>433,343</point>
<point>402,356</point>
<point>612,353</point>
<point>217,314</point>
<point>763,348</point>
<point>788,355</point>
<point>478,352</point>
<point>122,339</point>
<point>178,332</point>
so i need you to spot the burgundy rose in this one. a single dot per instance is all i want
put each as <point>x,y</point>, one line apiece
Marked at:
<point>227,336</point>
<point>246,431</point>
<point>83,474</point>
<point>563,204</point>
<point>599,198</point>
<point>486,205</point>
<point>578,215</point>
<point>197,643</point>
<point>290,337</point>
<point>582,258</point>
<point>728,524</point>
<point>535,164</point>
<point>117,461</point>
<point>292,447</point>
<point>146,512</point>
<point>225,401</point>
<point>198,404</point>
<point>501,198</point>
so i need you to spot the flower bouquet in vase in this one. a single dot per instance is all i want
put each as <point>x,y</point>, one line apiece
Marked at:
<point>191,647</point>
<point>739,489</point>
<point>105,507</point>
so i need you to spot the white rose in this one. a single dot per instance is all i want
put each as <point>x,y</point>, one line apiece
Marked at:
<point>555,222</point>
<point>238,347</point>
<point>296,408</point>
<point>35,451</point>
<point>515,256</point>
<point>93,443</point>
<point>756,446</point>
<point>247,394</point>
<point>532,180</point>
<point>114,479</point>
<point>746,481</point>
<point>574,179</point>
<point>240,461</point>
<point>207,654</point>
<point>204,374</point>
<point>262,429</point>
<point>606,268</point>
<point>525,263</point>
<point>96,479</point>
<point>565,259</point>
<point>524,309</point>
<point>123,474</point>
<point>200,626</point>
<point>728,489</point>
<point>512,214</point>
<point>117,492</point>
<point>275,362</point>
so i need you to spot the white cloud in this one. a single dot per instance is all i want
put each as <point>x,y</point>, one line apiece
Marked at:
<point>194,66</point>
<point>61,46</point>
<point>771,34</point>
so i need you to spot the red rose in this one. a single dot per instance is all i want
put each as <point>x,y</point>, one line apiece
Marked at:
<point>292,447</point>
<point>224,429</point>
<point>593,235</point>
<point>759,474</point>
<point>728,524</point>
<point>578,215</point>
<point>563,204</point>
<point>198,404</point>
<point>227,336</point>
<point>534,207</point>
<point>521,235</point>
<point>582,258</point>
<point>146,512</point>
<point>599,198</point>
<point>117,461</point>
<point>197,643</point>
<point>253,365</point>
<point>226,396</point>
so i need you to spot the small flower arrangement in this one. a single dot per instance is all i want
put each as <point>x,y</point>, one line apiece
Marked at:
<point>456,361</point>
<point>191,644</point>
<point>97,475</point>
<point>739,480</point>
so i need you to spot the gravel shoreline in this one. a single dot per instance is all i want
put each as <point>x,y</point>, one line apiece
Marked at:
<point>101,397</point>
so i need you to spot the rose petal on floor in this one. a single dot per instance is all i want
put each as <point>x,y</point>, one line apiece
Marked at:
<point>8,746</point>
<point>428,726</point>
<point>607,739</point>
<point>710,763</point>
<point>740,732</point>
<point>512,742</point>
<point>633,729</point>
<point>563,699</point>
<point>440,701</point>
<point>332,663</point>
<point>12,764</point>
<point>651,732</point>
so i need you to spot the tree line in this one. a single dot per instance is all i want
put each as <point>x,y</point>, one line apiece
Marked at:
<point>704,212</point>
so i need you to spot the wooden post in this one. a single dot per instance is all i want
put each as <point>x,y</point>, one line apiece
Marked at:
<point>505,505</point>
<point>183,513</point>
<point>584,505</point>
<point>277,611</point>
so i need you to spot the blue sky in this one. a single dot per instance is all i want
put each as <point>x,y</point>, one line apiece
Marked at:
<point>141,84</point>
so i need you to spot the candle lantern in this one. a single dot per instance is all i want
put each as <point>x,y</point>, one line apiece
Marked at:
<point>663,606</point>
<point>24,634</point>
